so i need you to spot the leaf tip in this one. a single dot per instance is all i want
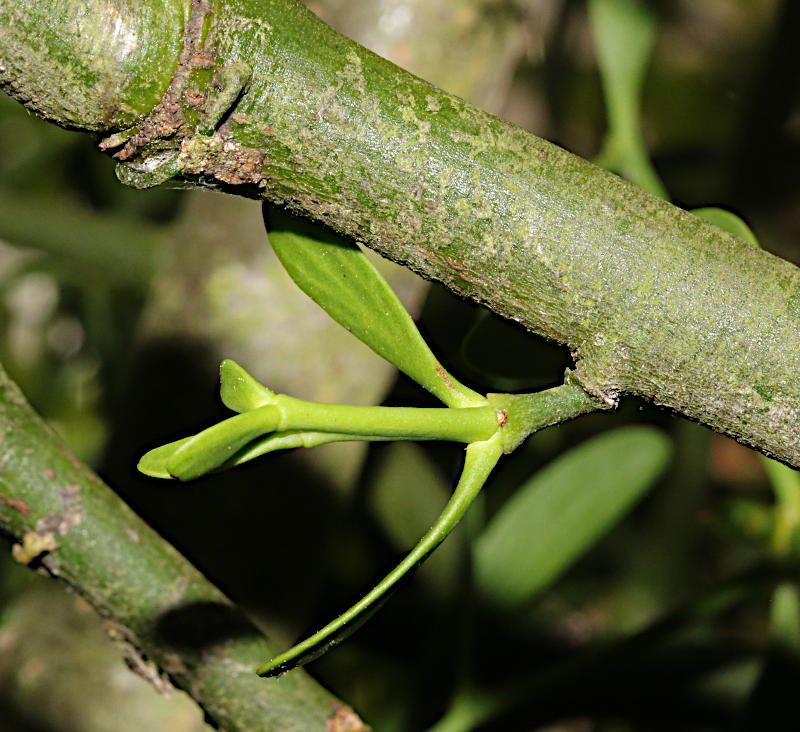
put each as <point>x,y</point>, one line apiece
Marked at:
<point>154,463</point>
<point>239,391</point>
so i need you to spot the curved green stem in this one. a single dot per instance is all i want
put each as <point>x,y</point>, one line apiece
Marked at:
<point>480,461</point>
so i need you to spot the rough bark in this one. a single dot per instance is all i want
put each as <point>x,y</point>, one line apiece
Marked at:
<point>651,301</point>
<point>174,625</point>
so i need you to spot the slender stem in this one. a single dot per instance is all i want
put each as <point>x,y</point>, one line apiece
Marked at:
<point>466,424</point>
<point>480,461</point>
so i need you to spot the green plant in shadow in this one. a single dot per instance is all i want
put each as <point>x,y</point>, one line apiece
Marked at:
<point>339,277</point>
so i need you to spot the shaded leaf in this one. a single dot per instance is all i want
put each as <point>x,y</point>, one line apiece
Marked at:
<point>784,617</point>
<point>560,512</point>
<point>727,221</point>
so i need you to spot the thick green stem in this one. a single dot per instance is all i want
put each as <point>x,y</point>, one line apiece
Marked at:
<point>466,424</point>
<point>90,64</point>
<point>175,622</point>
<point>524,414</point>
<point>651,300</point>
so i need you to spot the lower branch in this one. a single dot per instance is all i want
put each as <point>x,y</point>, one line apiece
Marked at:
<point>66,521</point>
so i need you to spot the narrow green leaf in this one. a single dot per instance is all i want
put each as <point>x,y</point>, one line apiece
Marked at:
<point>341,280</point>
<point>407,493</point>
<point>563,509</point>
<point>210,448</point>
<point>480,461</point>
<point>239,391</point>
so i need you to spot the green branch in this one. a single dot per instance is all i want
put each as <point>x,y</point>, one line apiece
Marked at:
<point>651,300</point>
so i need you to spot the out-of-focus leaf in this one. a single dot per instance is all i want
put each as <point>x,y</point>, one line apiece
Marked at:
<point>342,281</point>
<point>727,221</point>
<point>745,519</point>
<point>407,495</point>
<point>560,512</point>
<point>624,31</point>
<point>784,617</point>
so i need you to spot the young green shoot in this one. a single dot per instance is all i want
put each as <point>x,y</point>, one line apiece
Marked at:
<point>340,278</point>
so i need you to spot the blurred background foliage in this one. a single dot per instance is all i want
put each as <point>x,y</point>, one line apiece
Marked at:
<point>630,585</point>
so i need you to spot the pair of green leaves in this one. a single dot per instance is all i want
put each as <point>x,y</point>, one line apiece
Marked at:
<point>339,278</point>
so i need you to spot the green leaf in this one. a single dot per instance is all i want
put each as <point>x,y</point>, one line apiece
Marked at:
<point>292,439</point>
<point>624,32</point>
<point>239,391</point>
<point>341,280</point>
<point>479,463</point>
<point>212,447</point>
<point>154,463</point>
<point>727,221</point>
<point>563,509</point>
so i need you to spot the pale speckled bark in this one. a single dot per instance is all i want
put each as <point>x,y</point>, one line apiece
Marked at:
<point>170,618</point>
<point>651,300</point>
